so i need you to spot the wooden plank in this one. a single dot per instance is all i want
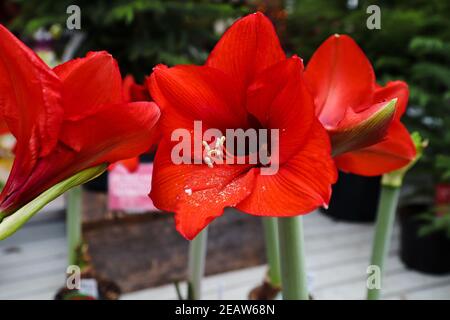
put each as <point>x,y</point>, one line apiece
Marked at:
<point>393,285</point>
<point>30,248</point>
<point>39,268</point>
<point>156,254</point>
<point>440,292</point>
<point>37,232</point>
<point>30,256</point>
<point>44,284</point>
<point>411,281</point>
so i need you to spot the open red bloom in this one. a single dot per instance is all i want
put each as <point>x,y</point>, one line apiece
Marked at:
<point>247,82</point>
<point>366,133</point>
<point>66,119</point>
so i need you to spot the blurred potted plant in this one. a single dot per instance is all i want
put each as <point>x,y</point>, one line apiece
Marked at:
<point>93,285</point>
<point>425,239</point>
<point>354,198</point>
<point>425,231</point>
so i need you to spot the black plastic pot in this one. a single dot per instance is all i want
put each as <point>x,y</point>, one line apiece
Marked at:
<point>354,198</point>
<point>428,254</point>
<point>99,184</point>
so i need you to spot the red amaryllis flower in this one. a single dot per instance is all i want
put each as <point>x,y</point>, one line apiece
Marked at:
<point>130,164</point>
<point>247,82</point>
<point>362,118</point>
<point>64,120</point>
<point>133,91</point>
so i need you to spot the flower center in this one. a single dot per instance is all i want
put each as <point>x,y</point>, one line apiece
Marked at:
<point>214,154</point>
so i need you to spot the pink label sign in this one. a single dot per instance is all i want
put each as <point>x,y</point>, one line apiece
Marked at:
<point>128,191</point>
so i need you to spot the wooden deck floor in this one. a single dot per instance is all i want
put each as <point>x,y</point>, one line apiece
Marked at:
<point>337,258</point>
<point>33,263</point>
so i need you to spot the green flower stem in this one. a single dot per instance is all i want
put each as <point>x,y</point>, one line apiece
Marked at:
<point>11,223</point>
<point>391,184</point>
<point>272,251</point>
<point>383,232</point>
<point>196,264</point>
<point>292,259</point>
<point>73,223</point>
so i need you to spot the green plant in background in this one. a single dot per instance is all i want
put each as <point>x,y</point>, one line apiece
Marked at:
<point>443,164</point>
<point>139,33</point>
<point>434,221</point>
<point>413,44</point>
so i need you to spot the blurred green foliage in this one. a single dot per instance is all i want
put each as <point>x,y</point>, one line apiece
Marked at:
<point>434,221</point>
<point>139,33</point>
<point>413,43</point>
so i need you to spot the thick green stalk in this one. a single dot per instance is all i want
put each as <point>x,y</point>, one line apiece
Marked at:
<point>391,184</point>
<point>196,264</point>
<point>73,223</point>
<point>383,231</point>
<point>13,222</point>
<point>272,250</point>
<point>292,259</point>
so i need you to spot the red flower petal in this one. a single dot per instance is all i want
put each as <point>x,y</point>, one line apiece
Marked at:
<point>249,46</point>
<point>133,91</point>
<point>131,164</point>
<point>393,89</point>
<point>196,193</point>
<point>396,151</point>
<point>89,83</point>
<point>3,126</point>
<point>30,104</point>
<point>340,77</point>
<point>279,100</point>
<point>363,129</point>
<point>100,138</point>
<point>301,185</point>
<point>114,133</point>
<point>188,93</point>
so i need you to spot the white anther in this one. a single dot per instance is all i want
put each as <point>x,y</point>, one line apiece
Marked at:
<point>206,145</point>
<point>208,161</point>
<point>216,152</point>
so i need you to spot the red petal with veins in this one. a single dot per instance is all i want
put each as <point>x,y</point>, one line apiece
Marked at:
<point>97,77</point>
<point>396,151</point>
<point>393,89</point>
<point>301,185</point>
<point>248,47</point>
<point>279,100</point>
<point>103,137</point>
<point>198,194</point>
<point>340,76</point>
<point>30,104</point>
<point>188,93</point>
